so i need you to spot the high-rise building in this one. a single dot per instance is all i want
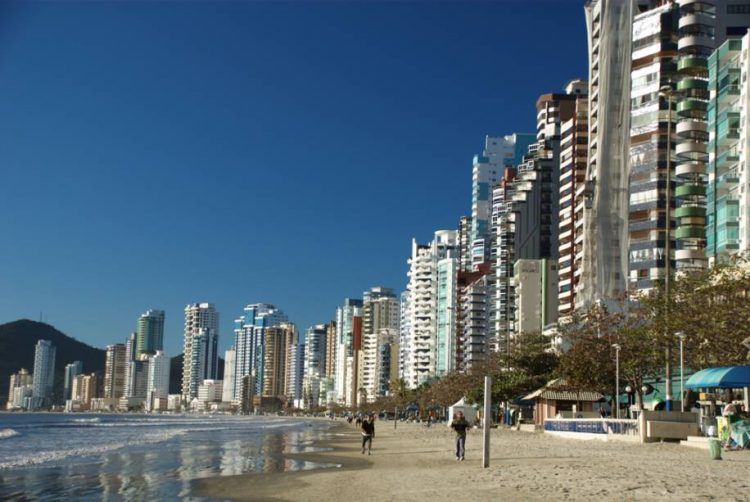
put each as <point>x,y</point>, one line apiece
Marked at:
<point>230,365</point>
<point>604,262</point>
<point>573,161</point>
<point>20,387</point>
<point>44,374</point>
<point>157,386</point>
<point>652,187</point>
<point>526,205</point>
<point>84,389</point>
<point>380,318</point>
<point>272,373</point>
<point>316,349</point>
<point>295,367</point>
<point>345,315</point>
<point>500,152</point>
<point>420,344</point>
<point>115,371</point>
<point>446,337</point>
<point>71,370</point>
<point>200,356</point>
<point>150,334</point>
<point>464,243</point>
<point>473,320</point>
<point>136,379</point>
<point>404,332</point>
<point>536,287</point>
<point>330,350</point>
<point>249,342</point>
<point>705,25</point>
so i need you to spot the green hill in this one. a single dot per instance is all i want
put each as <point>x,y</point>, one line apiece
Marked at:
<point>17,344</point>
<point>18,340</point>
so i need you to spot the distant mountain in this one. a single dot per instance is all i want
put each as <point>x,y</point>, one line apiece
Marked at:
<point>17,344</point>
<point>18,340</point>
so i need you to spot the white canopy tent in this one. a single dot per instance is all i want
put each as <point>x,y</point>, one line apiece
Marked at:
<point>469,412</point>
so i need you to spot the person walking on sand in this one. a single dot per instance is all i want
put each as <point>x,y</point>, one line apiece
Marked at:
<point>368,432</point>
<point>460,425</point>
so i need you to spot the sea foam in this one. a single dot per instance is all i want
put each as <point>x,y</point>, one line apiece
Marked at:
<point>8,433</point>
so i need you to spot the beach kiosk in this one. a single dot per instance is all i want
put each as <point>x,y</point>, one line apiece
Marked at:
<point>469,412</point>
<point>729,377</point>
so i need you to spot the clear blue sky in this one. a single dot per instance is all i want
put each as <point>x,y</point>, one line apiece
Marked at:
<point>159,154</point>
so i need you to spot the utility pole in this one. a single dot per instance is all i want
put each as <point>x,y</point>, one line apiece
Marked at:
<point>668,92</point>
<point>487,420</point>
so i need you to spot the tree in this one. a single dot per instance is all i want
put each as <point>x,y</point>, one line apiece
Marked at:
<point>528,364</point>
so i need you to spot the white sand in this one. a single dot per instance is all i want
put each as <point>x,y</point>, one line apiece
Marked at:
<point>414,463</point>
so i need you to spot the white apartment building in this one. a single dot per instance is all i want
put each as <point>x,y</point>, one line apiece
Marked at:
<point>421,344</point>
<point>379,333</point>
<point>200,356</point>
<point>230,362</point>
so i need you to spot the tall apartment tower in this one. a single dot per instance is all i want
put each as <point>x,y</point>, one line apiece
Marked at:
<point>420,344</point>
<point>316,339</point>
<point>652,186</point>
<point>473,319</point>
<point>709,201</point>
<point>404,332</point>
<point>114,371</point>
<point>44,374</point>
<point>330,351</point>
<point>536,283</point>
<point>230,365</point>
<point>71,370</point>
<point>573,159</point>
<point>503,216</point>
<point>272,373</point>
<point>295,370</point>
<point>250,342</point>
<point>84,388</point>
<point>728,229</point>
<point>20,386</point>
<point>345,315</point>
<point>157,384</point>
<point>379,337</point>
<point>526,209</point>
<point>604,264</point>
<point>150,334</point>
<point>500,152</point>
<point>200,356</point>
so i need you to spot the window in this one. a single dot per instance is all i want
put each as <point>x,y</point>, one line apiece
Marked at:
<point>739,8</point>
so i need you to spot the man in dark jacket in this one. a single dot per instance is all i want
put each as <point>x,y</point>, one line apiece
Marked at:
<point>460,425</point>
<point>368,432</point>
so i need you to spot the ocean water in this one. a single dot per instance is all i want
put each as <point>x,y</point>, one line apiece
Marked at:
<point>54,456</point>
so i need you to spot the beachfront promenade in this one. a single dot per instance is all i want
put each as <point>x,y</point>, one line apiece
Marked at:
<point>414,462</point>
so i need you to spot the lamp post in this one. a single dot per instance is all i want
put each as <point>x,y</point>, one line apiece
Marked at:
<point>667,92</point>
<point>681,335</point>
<point>617,378</point>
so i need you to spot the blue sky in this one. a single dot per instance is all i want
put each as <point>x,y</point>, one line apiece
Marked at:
<point>159,154</point>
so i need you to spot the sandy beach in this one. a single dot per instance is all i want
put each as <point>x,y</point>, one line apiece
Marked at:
<point>414,462</point>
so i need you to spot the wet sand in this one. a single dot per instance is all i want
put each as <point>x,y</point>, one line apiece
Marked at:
<point>414,462</point>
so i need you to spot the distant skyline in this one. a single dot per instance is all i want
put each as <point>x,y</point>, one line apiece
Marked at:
<point>166,153</point>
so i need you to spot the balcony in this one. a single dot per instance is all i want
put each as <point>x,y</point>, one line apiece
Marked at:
<point>690,233</point>
<point>692,108</point>
<point>690,190</point>
<point>695,66</point>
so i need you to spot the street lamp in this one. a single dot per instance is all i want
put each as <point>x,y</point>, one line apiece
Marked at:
<point>667,92</point>
<point>617,378</point>
<point>681,335</point>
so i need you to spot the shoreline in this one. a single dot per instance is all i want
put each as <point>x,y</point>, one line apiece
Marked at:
<point>336,456</point>
<point>414,462</point>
